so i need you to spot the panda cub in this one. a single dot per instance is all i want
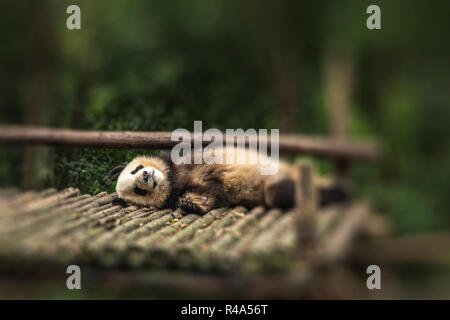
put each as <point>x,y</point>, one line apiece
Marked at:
<point>199,188</point>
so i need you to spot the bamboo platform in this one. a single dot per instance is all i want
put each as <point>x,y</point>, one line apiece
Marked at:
<point>227,253</point>
<point>66,227</point>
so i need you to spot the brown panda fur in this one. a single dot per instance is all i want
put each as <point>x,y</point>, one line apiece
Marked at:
<point>200,188</point>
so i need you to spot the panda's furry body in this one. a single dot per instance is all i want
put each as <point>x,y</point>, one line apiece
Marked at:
<point>199,188</point>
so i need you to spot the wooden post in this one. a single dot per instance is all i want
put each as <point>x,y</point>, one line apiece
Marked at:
<point>306,206</point>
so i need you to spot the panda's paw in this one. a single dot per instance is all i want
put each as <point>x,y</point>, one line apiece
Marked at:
<point>120,202</point>
<point>193,204</point>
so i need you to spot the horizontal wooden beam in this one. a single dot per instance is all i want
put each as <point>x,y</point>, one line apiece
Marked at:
<point>290,144</point>
<point>428,248</point>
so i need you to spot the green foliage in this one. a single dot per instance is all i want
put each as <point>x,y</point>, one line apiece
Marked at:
<point>89,171</point>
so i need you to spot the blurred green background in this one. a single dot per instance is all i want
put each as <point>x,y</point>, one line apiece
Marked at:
<point>160,65</point>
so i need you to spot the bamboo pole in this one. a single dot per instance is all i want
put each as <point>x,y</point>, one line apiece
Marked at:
<point>338,243</point>
<point>293,144</point>
<point>236,231</point>
<point>138,252</point>
<point>272,249</point>
<point>191,254</point>
<point>164,252</point>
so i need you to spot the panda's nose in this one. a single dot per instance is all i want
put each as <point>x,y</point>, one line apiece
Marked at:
<point>145,176</point>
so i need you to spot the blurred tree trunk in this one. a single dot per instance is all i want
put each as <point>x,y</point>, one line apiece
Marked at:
<point>77,117</point>
<point>270,28</point>
<point>37,110</point>
<point>338,67</point>
<point>287,89</point>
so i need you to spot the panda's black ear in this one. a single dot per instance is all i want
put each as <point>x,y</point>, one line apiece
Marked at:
<point>114,173</point>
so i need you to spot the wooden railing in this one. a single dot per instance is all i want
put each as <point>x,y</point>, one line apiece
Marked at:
<point>288,144</point>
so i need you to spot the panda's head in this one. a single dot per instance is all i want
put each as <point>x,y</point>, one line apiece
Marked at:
<point>144,181</point>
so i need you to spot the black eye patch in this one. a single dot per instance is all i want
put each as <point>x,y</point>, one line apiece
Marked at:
<point>139,191</point>
<point>139,167</point>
